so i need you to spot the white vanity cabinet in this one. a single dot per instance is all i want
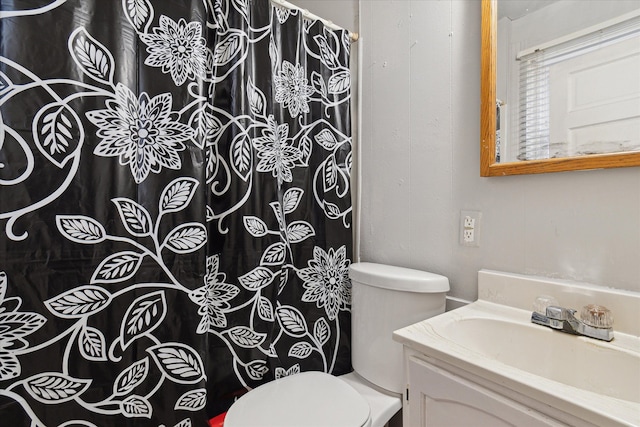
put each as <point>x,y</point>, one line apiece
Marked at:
<point>487,365</point>
<point>439,398</point>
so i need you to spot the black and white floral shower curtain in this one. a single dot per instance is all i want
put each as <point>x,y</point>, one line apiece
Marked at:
<point>174,207</point>
<point>278,164</point>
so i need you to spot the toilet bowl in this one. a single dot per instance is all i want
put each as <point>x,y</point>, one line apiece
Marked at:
<point>384,298</point>
<point>286,403</point>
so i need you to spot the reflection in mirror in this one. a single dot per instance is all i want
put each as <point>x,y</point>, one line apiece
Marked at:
<point>567,92</point>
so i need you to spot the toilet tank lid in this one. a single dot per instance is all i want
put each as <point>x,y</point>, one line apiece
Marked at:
<point>398,278</point>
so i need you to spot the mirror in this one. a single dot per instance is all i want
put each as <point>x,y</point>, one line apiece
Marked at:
<point>555,159</point>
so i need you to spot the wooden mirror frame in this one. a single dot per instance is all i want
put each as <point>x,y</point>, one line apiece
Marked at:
<point>488,165</point>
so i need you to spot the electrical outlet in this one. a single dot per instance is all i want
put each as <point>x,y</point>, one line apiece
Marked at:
<point>470,228</point>
<point>469,222</point>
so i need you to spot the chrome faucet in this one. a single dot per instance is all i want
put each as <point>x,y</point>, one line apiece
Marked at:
<point>596,321</point>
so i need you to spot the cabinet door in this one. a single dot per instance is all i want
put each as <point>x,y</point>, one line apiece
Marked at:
<point>438,398</point>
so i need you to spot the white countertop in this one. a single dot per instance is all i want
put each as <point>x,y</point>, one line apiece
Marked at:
<point>505,301</point>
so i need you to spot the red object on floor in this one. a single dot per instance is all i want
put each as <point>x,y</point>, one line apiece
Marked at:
<point>218,420</point>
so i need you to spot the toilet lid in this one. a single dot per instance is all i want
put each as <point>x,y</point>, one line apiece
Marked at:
<point>308,399</point>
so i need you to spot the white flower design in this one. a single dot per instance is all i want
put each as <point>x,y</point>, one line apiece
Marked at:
<point>275,151</point>
<point>178,48</point>
<point>326,280</point>
<point>213,298</point>
<point>140,131</point>
<point>292,89</point>
<point>14,326</point>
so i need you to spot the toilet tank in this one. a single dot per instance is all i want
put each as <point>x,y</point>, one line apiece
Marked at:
<point>385,298</point>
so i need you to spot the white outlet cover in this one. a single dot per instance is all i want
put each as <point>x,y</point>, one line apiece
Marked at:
<point>470,220</point>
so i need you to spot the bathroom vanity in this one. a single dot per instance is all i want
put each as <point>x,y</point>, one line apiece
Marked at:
<point>487,364</point>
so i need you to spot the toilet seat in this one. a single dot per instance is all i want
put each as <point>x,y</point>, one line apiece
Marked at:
<point>308,399</point>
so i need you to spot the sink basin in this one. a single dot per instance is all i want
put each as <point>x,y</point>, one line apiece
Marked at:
<point>579,362</point>
<point>493,340</point>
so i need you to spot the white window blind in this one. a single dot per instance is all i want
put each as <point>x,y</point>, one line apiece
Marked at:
<point>534,88</point>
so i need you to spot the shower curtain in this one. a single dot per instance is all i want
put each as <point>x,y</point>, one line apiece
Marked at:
<point>174,207</point>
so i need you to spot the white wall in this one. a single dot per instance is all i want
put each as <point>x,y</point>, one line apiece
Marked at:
<point>341,12</point>
<point>420,166</point>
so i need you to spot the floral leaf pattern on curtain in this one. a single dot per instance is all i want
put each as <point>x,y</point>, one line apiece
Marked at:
<point>173,230</point>
<point>279,209</point>
<point>102,214</point>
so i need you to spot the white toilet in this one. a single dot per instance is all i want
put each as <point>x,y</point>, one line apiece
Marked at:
<point>384,298</point>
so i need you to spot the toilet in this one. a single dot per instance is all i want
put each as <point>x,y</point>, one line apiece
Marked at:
<point>384,298</point>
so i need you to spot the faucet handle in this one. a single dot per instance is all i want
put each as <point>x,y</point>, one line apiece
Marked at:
<point>597,316</point>
<point>542,302</point>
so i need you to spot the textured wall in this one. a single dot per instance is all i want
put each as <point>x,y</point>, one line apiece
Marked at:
<point>420,168</point>
<point>341,12</point>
